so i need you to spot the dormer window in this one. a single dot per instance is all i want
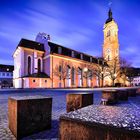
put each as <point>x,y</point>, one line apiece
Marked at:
<point>72,54</point>
<point>81,56</point>
<point>59,50</point>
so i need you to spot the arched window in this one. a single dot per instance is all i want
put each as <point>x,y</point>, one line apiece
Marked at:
<point>73,75</point>
<point>68,72</point>
<point>39,65</point>
<point>60,72</point>
<point>29,64</point>
<point>80,77</point>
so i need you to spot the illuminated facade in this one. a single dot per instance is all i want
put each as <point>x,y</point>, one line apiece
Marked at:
<point>111,48</point>
<point>35,65</point>
<point>111,44</point>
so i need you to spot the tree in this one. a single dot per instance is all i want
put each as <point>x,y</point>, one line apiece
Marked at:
<point>100,70</point>
<point>125,71</point>
<point>113,70</point>
<point>87,72</point>
<point>61,70</point>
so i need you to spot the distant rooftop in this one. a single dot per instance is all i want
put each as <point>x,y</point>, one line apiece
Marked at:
<point>6,68</point>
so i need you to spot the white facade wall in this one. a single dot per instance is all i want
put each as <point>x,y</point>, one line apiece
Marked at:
<point>26,83</point>
<point>19,63</point>
<point>18,83</point>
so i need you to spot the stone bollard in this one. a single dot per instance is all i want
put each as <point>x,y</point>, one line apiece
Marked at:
<point>132,92</point>
<point>109,97</point>
<point>123,94</point>
<point>78,100</point>
<point>138,91</point>
<point>29,114</point>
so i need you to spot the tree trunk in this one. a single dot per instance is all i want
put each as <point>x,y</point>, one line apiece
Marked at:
<point>86,82</point>
<point>99,81</point>
<point>64,82</point>
<point>102,84</point>
<point>113,82</point>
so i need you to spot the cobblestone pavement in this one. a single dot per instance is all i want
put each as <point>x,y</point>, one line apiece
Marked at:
<point>59,107</point>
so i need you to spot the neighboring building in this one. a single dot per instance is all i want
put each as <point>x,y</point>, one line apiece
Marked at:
<point>136,81</point>
<point>135,76</point>
<point>6,75</point>
<point>35,62</point>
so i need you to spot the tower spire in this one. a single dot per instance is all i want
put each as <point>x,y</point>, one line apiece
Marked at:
<point>110,18</point>
<point>110,14</point>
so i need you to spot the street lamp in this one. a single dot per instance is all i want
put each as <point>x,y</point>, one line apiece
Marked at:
<point>85,69</point>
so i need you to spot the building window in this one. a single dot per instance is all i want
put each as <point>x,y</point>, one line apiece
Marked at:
<point>59,50</point>
<point>60,70</point>
<point>108,33</point>
<point>73,76</point>
<point>68,72</point>
<point>72,54</point>
<point>45,81</point>
<point>7,74</point>
<point>29,65</point>
<point>34,80</point>
<point>39,65</point>
<point>3,74</point>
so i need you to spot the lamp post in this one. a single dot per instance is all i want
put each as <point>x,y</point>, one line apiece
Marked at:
<point>114,77</point>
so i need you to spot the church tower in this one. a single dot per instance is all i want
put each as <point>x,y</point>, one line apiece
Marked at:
<point>111,44</point>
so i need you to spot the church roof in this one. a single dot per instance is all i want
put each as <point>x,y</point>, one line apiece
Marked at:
<point>54,48</point>
<point>6,68</point>
<point>110,18</point>
<point>31,44</point>
<point>68,52</point>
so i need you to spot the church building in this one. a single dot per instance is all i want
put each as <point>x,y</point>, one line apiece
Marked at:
<point>44,64</point>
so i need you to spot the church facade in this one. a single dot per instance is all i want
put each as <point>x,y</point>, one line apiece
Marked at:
<point>44,64</point>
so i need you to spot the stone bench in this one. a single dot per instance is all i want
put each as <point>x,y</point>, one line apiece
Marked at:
<point>109,97</point>
<point>97,122</point>
<point>75,101</point>
<point>29,114</point>
<point>122,94</point>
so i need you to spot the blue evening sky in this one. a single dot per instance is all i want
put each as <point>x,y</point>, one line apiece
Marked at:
<point>76,24</point>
